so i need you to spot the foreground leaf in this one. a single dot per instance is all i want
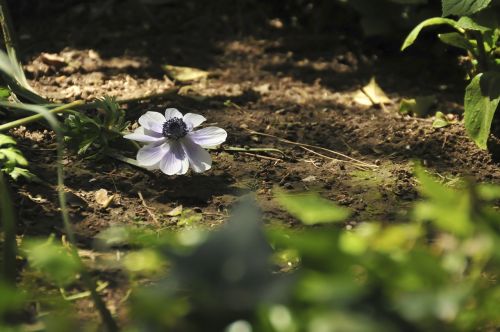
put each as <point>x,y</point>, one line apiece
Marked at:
<point>482,96</point>
<point>447,208</point>
<point>312,209</point>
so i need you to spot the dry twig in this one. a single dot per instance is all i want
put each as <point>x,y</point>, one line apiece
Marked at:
<point>304,145</point>
<point>151,214</point>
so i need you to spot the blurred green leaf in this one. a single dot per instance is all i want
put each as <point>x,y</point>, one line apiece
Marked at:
<point>5,140</point>
<point>311,208</point>
<point>12,161</point>
<point>53,260</point>
<point>4,93</point>
<point>189,217</point>
<point>447,208</point>
<point>145,261</point>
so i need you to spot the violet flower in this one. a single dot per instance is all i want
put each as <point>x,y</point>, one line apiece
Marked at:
<point>172,145</point>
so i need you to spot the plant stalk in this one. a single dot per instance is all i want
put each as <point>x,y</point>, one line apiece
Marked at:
<point>37,117</point>
<point>8,31</point>
<point>482,57</point>
<point>8,221</point>
<point>106,317</point>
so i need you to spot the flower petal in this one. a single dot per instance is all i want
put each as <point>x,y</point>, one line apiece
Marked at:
<point>151,154</point>
<point>193,120</point>
<point>185,164</point>
<point>199,159</point>
<point>172,113</point>
<point>144,135</point>
<point>173,162</point>
<point>209,136</point>
<point>152,121</point>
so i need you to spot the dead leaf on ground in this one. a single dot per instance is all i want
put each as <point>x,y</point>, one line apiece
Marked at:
<point>175,211</point>
<point>184,74</point>
<point>310,178</point>
<point>53,59</point>
<point>262,89</point>
<point>102,198</point>
<point>371,94</point>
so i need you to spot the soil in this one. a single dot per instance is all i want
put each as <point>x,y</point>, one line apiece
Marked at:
<point>266,76</point>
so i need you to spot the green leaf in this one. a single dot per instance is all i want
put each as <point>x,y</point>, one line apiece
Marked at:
<point>4,93</point>
<point>440,121</point>
<point>52,259</point>
<point>419,106</point>
<point>4,140</point>
<point>18,172</point>
<point>482,97</point>
<point>447,208</point>
<point>14,156</point>
<point>489,191</point>
<point>429,22</point>
<point>463,7</point>
<point>457,40</point>
<point>312,209</point>
<point>468,23</point>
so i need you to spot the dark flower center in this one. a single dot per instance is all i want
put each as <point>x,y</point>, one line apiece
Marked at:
<point>174,128</point>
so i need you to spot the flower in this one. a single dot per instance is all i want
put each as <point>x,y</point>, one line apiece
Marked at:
<point>172,145</point>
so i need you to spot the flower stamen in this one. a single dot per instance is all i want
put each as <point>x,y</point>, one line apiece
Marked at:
<point>174,128</point>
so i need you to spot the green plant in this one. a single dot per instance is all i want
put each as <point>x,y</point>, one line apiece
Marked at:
<point>12,161</point>
<point>92,136</point>
<point>477,33</point>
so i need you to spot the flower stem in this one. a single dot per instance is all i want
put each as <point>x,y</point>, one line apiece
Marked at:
<point>37,117</point>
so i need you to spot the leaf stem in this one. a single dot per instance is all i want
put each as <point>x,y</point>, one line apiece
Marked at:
<point>482,57</point>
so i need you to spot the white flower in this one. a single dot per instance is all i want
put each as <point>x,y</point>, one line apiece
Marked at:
<point>172,145</point>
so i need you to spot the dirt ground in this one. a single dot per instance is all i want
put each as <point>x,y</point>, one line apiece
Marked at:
<point>265,76</point>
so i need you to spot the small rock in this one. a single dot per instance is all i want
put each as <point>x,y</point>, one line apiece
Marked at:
<point>310,178</point>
